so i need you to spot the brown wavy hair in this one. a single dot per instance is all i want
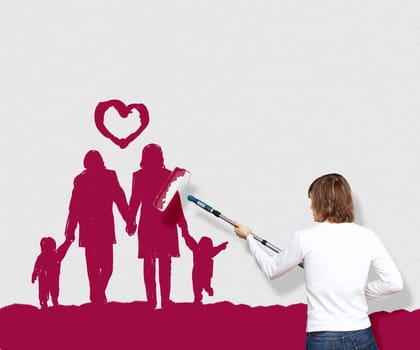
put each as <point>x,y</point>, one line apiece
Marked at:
<point>331,199</point>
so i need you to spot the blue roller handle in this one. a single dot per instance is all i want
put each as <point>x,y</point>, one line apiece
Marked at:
<point>201,204</point>
<point>218,214</point>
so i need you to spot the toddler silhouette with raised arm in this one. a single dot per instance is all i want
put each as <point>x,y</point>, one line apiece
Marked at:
<point>202,273</point>
<point>47,270</point>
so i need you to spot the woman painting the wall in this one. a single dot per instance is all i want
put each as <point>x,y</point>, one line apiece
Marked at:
<point>337,256</point>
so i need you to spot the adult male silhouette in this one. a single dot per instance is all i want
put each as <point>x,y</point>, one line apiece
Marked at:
<point>95,190</point>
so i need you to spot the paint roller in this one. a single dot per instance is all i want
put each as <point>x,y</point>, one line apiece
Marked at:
<point>178,179</point>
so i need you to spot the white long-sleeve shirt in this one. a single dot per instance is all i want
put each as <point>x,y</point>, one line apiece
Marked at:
<point>337,260</point>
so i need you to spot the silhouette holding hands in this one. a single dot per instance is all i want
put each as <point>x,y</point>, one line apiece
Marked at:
<point>47,270</point>
<point>202,273</point>
<point>157,231</point>
<point>95,191</point>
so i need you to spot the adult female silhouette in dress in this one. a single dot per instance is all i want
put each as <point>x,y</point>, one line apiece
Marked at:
<point>157,231</point>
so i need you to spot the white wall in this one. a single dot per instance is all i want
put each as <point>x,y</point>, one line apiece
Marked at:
<point>255,98</point>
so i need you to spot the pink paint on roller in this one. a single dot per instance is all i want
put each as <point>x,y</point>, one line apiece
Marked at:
<point>178,178</point>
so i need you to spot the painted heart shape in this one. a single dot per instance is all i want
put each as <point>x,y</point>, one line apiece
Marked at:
<point>123,111</point>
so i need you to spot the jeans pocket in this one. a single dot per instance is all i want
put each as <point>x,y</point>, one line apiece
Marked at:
<point>364,341</point>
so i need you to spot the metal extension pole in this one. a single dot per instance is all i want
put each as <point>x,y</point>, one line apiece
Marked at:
<point>218,214</point>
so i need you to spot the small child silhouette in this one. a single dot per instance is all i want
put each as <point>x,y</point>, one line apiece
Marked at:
<point>47,270</point>
<point>202,273</point>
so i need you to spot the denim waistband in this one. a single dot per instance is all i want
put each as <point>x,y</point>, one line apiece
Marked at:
<point>330,334</point>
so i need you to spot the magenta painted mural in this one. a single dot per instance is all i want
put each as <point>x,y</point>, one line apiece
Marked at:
<point>96,201</point>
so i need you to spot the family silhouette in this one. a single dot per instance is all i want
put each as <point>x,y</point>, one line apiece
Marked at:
<point>95,191</point>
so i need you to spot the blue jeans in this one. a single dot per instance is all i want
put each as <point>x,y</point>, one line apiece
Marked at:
<point>349,340</point>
